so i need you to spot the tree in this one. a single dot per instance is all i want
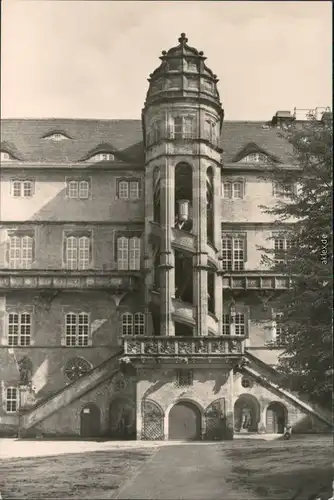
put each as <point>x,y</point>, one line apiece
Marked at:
<point>304,222</point>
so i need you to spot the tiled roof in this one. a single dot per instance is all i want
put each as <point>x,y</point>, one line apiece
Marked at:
<point>24,139</point>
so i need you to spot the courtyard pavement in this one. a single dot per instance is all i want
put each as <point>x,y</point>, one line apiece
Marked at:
<point>184,472</point>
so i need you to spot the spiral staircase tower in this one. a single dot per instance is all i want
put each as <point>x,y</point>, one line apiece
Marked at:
<point>182,120</point>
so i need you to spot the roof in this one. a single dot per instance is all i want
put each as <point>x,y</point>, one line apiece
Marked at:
<point>23,138</point>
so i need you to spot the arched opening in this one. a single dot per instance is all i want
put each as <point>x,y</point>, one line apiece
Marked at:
<point>184,422</point>
<point>183,197</point>
<point>90,421</point>
<point>122,419</point>
<point>246,413</point>
<point>156,195</point>
<point>209,206</point>
<point>276,418</point>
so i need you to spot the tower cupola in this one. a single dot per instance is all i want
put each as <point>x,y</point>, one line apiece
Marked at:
<point>183,75</point>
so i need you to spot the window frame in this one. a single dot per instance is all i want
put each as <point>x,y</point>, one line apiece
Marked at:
<point>74,188</point>
<point>282,192</point>
<point>233,258</point>
<point>184,378</point>
<point>76,256</point>
<point>23,328</point>
<point>128,254</point>
<point>24,255</point>
<point>126,184</point>
<point>229,189</point>
<point>74,335</point>
<point>12,400</point>
<point>18,186</point>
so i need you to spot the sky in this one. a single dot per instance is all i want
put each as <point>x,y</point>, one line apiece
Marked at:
<point>91,59</point>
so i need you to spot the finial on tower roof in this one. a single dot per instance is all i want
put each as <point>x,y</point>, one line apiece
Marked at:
<point>183,39</point>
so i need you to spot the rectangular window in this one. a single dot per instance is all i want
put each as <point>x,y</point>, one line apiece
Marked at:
<point>239,324</point>
<point>127,324</point>
<point>78,252</point>
<point>184,378</point>
<point>22,188</point>
<point>281,246</point>
<point>188,127</point>
<point>78,189</point>
<point>128,189</point>
<point>233,190</point>
<point>77,330</point>
<point>20,252</point>
<point>226,324</point>
<point>280,191</point>
<point>128,253</point>
<point>12,399</point>
<point>178,127</point>
<point>233,254</point>
<point>139,324</point>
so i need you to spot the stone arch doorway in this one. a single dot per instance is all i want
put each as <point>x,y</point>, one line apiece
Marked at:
<point>184,422</point>
<point>122,419</point>
<point>276,418</point>
<point>90,421</point>
<point>246,413</point>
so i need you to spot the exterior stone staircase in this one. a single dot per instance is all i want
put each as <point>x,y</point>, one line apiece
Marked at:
<point>265,378</point>
<point>69,393</point>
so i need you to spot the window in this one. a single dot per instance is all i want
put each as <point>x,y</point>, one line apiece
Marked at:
<point>133,324</point>
<point>102,157</point>
<point>254,158</point>
<point>279,336</point>
<point>281,245</point>
<point>184,378</point>
<point>128,253</point>
<point>233,190</point>
<point>184,127</point>
<point>78,252</point>
<point>139,324</point>
<point>19,329</point>
<point>12,399</point>
<point>128,189</point>
<point>210,131</point>
<point>239,323</point>
<point>280,191</point>
<point>77,329</point>
<point>78,189</point>
<point>22,188</point>
<point>76,368</point>
<point>234,324</point>
<point>20,252</point>
<point>226,324</point>
<point>233,254</point>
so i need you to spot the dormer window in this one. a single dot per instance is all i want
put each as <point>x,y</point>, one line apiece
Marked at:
<point>4,156</point>
<point>56,136</point>
<point>102,157</point>
<point>254,158</point>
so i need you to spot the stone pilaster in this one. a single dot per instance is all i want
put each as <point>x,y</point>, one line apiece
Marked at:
<point>167,277</point>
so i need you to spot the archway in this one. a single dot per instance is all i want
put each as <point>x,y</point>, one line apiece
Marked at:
<point>275,418</point>
<point>246,413</point>
<point>90,421</point>
<point>184,422</point>
<point>122,419</point>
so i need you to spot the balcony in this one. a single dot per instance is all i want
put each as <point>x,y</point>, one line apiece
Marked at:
<point>182,348</point>
<point>250,280</point>
<point>34,279</point>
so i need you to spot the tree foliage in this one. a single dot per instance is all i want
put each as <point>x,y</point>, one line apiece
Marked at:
<point>305,221</point>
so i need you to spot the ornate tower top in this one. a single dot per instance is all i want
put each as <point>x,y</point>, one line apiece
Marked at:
<point>183,75</point>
